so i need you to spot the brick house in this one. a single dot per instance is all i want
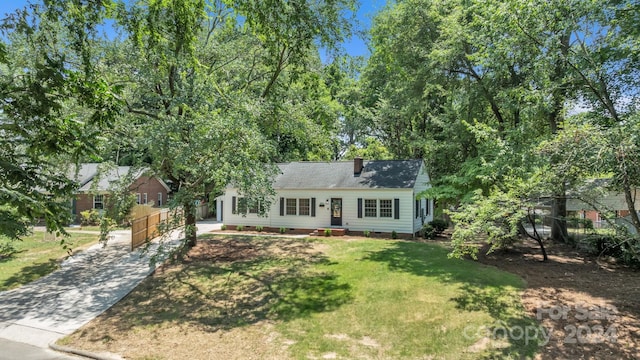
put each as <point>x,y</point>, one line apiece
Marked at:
<point>94,186</point>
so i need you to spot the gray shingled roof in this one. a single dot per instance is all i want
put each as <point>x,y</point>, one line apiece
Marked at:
<point>90,178</point>
<point>377,174</point>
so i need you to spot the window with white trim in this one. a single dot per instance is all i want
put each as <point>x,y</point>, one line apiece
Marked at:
<point>370,207</point>
<point>145,198</point>
<point>138,197</point>
<point>304,206</point>
<point>291,207</point>
<point>159,199</point>
<point>98,201</point>
<point>386,208</point>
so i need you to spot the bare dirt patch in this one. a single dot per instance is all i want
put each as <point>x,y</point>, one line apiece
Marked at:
<point>590,307</point>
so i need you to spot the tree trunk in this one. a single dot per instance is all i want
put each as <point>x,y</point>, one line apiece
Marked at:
<point>190,224</point>
<point>629,198</point>
<point>559,217</point>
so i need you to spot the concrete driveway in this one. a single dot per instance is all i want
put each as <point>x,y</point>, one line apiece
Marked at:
<point>87,284</point>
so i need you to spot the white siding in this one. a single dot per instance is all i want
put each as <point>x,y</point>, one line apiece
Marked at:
<point>608,201</point>
<point>350,220</point>
<point>422,183</point>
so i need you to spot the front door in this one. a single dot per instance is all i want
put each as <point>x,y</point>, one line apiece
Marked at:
<point>336,212</point>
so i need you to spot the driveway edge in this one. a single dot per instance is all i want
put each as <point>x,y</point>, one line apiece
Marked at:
<point>84,353</point>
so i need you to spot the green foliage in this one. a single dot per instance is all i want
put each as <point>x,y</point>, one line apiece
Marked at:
<point>394,234</point>
<point>439,225</point>
<point>106,226</point>
<point>223,227</point>
<point>90,217</point>
<point>495,219</point>
<point>259,228</point>
<point>623,247</point>
<point>53,105</point>
<point>367,233</point>
<point>239,227</point>
<point>327,232</point>
<point>428,231</point>
<point>283,229</point>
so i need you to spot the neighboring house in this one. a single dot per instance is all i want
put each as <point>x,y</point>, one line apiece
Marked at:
<point>376,196</point>
<point>94,186</point>
<point>596,199</point>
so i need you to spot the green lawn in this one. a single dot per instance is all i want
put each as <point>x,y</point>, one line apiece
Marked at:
<point>259,297</point>
<point>36,256</point>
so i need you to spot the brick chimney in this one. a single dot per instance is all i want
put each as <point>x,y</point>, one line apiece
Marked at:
<point>358,165</point>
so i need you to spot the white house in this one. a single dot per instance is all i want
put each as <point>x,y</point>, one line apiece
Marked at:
<point>376,196</point>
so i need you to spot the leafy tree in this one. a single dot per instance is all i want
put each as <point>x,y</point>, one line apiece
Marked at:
<point>45,79</point>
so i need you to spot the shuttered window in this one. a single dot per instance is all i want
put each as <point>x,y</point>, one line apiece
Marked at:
<point>291,207</point>
<point>386,208</point>
<point>303,207</point>
<point>370,208</point>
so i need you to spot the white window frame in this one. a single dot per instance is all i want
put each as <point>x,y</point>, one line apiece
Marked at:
<point>390,208</point>
<point>159,199</point>
<point>288,205</point>
<point>145,198</point>
<point>368,206</point>
<point>138,199</point>
<point>100,201</point>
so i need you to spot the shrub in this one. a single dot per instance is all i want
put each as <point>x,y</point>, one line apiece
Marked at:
<point>283,229</point>
<point>327,232</point>
<point>90,217</point>
<point>223,227</point>
<point>367,233</point>
<point>259,228</point>
<point>394,234</point>
<point>623,248</point>
<point>439,225</point>
<point>428,231</point>
<point>239,228</point>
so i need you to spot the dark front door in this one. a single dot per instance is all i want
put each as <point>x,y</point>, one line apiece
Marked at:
<point>336,212</point>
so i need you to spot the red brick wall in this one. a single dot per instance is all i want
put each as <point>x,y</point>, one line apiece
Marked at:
<point>152,187</point>
<point>144,184</point>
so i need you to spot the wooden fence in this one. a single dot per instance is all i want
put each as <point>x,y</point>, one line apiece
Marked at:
<point>145,228</point>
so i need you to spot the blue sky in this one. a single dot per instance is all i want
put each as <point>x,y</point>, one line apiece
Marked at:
<point>355,46</point>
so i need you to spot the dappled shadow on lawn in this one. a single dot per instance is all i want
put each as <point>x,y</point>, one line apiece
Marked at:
<point>234,281</point>
<point>481,289</point>
<point>29,274</point>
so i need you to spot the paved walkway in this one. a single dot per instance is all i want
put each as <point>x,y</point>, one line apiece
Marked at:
<point>87,284</point>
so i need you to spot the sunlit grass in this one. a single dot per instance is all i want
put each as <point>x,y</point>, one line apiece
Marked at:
<point>320,298</point>
<point>36,256</point>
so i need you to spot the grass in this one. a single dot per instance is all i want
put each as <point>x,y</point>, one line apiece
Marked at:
<point>255,297</point>
<point>36,256</point>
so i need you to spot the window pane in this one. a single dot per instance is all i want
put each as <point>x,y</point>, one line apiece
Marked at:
<point>242,205</point>
<point>370,208</point>
<point>291,206</point>
<point>97,202</point>
<point>386,207</point>
<point>253,207</point>
<point>304,206</point>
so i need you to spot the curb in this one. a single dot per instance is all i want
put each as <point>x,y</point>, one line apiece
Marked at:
<point>84,353</point>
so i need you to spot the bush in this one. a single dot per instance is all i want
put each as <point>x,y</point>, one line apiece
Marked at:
<point>394,234</point>
<point>283,229</point>
<point>428,231</point>
<point>89,217</point>
<point>439,225</point>
<point>623,248</point>
<point>367,233</point>
<point>327,232</point>
<point>239,228</point>
<point>223,227</point>
<point>259,228</point>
